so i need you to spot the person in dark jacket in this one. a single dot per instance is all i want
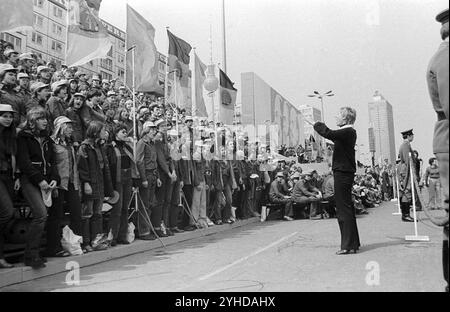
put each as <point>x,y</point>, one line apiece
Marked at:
<point>344,168</point>
<point>122,167</point>
<point>146,162</point>
<point>74,114</point>
<point>8,149</point>
<point>278,195</point>
<point>95,179</point>
<point>9,94</point>
<point>39,177</point>
<point>56,105</point>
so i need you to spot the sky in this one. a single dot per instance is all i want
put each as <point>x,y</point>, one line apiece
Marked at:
<point>353,47</point>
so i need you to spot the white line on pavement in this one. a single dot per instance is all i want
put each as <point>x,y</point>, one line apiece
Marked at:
<point>246,257</point>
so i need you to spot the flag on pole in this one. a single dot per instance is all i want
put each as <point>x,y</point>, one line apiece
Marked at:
<point>87,38</point>
<point>200,77</point>
<point>141,35</point>
<point>228,94</point>
<point>179,60</point>
<point>16,15</point>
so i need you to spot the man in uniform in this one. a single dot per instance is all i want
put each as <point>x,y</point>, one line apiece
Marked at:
<point>404,175</point>
<point>438,85</point>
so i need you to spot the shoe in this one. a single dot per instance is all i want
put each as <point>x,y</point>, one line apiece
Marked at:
<point>407,219</point>
<point>287,218</point>
<point>228,221</point>
<point>5,265</point>
<point>316,218</point>
<point>35,263</point>
<point>346,252</point>
<point>169,232</point>
<point>123,242</point>
<point>160,233</point>
<point>209,222</point>
<point>148,237</point>
<point>87,249</point>
<point>176,230</point>
<point>190,228</point>
<point>100,247</point>
<point>113,243</point>
<point>219,222</point>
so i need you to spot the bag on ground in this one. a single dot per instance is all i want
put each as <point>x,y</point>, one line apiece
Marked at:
<point>71,243</point>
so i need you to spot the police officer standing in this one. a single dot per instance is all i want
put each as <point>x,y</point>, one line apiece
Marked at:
<point>438,85</point>
<point>405,176</point>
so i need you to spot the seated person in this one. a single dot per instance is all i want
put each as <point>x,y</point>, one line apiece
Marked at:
<point>278,195</point>
<point>328,195</point>
<point>305,193</point>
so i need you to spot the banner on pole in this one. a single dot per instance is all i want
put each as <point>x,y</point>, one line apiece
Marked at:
<point>87,38</point>
<point>16,15</point>
<point>141,36</point>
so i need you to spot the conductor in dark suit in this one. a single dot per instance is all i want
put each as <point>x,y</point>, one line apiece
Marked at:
<point>344,169</point>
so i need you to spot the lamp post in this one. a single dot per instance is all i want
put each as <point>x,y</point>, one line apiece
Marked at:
<point>320,96</point>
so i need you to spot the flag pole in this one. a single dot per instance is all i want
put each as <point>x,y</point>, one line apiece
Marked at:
<point>399,212</point>
<point>175,76</point>
<point>166,82</point>
<point>194,86</point>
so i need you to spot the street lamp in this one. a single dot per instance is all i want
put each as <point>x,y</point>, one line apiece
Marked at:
<point>321,96</point>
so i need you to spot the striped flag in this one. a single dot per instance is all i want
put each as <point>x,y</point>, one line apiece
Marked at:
<point>179,60</point>
<point>141,34</point>
<point>16,15</point>
<point>87,38</point>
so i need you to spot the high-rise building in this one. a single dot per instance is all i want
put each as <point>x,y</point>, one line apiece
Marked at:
<point>381,120</point>
<point>48,41</point>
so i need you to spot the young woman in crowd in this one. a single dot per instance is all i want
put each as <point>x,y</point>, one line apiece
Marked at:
<point>74,114</point>
<point>95,179</point>
<point>121,161</point>
<point>8,149</point>
<point>68,190</point>
<point>39,177</point>
<point>123,117</point>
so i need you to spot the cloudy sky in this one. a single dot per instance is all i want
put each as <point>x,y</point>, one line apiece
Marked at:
<point>352,47</point>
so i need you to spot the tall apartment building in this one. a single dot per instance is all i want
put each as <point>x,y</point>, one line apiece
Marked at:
<point>381,120</point>
<point>48,41</point>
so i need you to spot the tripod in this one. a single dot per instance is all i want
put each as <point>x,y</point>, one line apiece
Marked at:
<point>142,212</point>
<point>188,211</point>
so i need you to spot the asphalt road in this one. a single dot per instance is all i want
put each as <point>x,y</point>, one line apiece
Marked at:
<point>276,256</point>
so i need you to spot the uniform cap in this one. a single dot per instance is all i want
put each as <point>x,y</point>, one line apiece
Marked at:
<point>149,124</point>
<point>6,68</point>
<point>9,51</point>
<point>23,75</point>
<point>111,93</point>
<point>42,68</point>
<point>38,86</point>
<point>280,174</point>
<point>26,56</point>
<point>442,17</point>
<point>6,108</point>
<point>59,84</point>
<point>408,132</point>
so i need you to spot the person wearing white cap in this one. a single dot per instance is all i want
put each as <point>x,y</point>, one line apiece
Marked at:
<point>57,105</point>
<point>26,63</point>
<point>12,56</point>
<point>8,91</point>
<point>8,149</point>
<point>146,162</point>
<point>24,87</point>
<point>40,95</point>
<point>68,189</point>
<point>39,177</point>
<point>44,74</point>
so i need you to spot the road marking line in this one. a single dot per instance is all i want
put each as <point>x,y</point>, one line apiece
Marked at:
<point>246,257</point>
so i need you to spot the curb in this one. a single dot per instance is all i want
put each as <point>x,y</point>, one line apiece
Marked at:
<point>21,274</point>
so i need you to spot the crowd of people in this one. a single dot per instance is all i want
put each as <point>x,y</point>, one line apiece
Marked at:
<point>68,142</point>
